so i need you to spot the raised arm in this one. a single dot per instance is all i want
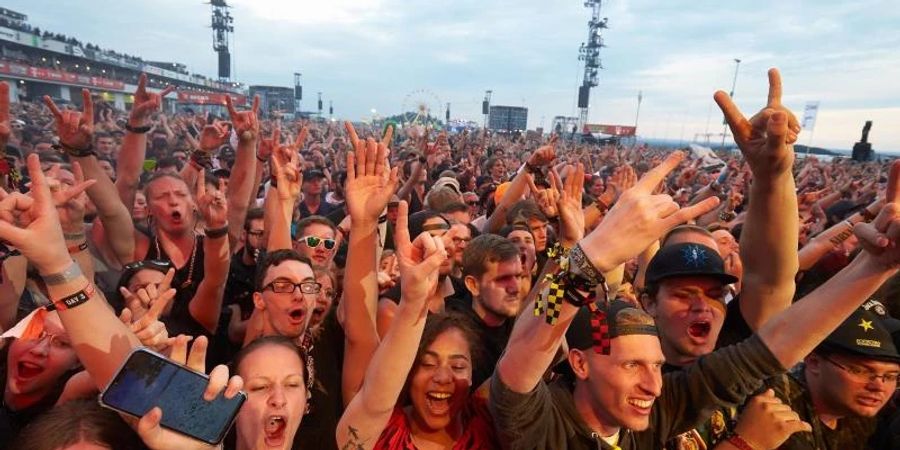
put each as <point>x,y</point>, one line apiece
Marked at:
<point>285,165</point>
<point>834,236</point>
<point>130,162</point>
<point>792,334</point>
<point>368,414</point>
<point>770,234</point>
<point>76,131</point>
<point>520,184</point>
<point>206,306</point>
<point>370,184</point>
<point>240,182</point>
<point>646,217</point>
<point>99,338</point>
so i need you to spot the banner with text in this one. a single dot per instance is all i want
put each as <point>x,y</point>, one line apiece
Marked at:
<point>612,130</point>
<point>208,98</point>
<point>809,115</point>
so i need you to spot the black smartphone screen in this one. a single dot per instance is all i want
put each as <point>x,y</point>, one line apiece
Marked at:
<point>148,380</point>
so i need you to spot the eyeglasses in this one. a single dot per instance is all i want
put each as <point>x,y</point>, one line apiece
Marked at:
<point>314,241</point>
<point>56,340</point>
<point>255,233</point>
<point>865,375</point>
<point>288,287</point>
<point>472,203</point>
<point>329,294</point>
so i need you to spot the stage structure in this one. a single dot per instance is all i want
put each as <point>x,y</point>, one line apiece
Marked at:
<point>590,54</point>
<point>222,27</point>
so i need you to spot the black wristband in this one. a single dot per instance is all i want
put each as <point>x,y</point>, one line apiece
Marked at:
<point>216,233</point>
<point>76,152</point>
<point>138,130</point>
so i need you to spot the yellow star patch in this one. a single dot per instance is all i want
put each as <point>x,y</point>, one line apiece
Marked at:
<point>866,324</point>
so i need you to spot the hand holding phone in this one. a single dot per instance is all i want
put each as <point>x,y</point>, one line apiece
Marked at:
<point>179,407</point>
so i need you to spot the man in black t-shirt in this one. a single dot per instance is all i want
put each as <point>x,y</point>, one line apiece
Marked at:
<point>491,270</point>
<point>239,288</point>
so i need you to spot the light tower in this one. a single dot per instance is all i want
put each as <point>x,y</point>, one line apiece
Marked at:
<point>486,106</point>
<point>590,54</point>
<point>222,27</point>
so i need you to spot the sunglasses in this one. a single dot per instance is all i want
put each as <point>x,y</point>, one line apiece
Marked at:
<point>472,203</point>
<point>314,241</point>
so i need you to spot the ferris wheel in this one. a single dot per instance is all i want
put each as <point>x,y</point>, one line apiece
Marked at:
<point>420,106</point>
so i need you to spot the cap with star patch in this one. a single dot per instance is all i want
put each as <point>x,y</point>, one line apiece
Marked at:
<point>865,333</point>
<point>687,260</point>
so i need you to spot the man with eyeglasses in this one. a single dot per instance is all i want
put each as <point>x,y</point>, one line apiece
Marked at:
<point>844,383</point>
<point>316,240</point>
<point>286,291</point>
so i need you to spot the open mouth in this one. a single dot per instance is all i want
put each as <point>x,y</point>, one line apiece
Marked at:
<point>438,403</point>
<point>318,313</point>
<point>274,429</point>
<point>699,329</point>
<point>297,315</point>
<point>28,370</point>
<point>176,216</point>
<point>642,405</point>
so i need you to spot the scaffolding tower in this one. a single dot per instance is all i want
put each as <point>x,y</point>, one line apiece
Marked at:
<point>590,54</point>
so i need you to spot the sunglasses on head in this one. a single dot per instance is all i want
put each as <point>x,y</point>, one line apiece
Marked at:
<point>314,241</point>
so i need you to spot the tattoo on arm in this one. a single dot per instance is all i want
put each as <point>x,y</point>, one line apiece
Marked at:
<point>354,442</point>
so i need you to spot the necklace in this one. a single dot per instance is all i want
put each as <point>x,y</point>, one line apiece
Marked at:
<point>190,276</point>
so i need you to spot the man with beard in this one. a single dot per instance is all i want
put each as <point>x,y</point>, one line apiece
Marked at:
<point>491,270</point>
<point>239,288</point>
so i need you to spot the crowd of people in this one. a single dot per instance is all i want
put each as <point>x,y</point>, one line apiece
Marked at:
<point>376,287</point>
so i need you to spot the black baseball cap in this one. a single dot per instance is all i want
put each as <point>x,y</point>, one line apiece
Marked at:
<point>583,334</point>
<point>865,333</point>
<point>685,260</point>
<point>310,174</point>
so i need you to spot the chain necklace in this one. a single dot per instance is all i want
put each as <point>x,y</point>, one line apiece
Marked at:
<point>190,276</point>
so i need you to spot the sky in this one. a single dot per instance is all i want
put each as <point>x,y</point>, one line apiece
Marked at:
<point>383,54</point>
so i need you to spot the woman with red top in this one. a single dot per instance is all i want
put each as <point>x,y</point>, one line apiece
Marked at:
<point>438,357</point>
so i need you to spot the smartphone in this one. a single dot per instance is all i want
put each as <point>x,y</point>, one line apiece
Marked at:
<point>148,379</point>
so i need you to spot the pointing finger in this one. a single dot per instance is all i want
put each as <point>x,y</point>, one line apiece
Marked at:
<point>388,135</point>
<point>654,177</point>
<point>88,107</point>
<point>774,88</point>
<point>401,233</point>
<point>692,212</point>
<point>354,139</point>
<point>230,105</point>
<point>255,107</point>
<point>53,108</point>
<point>893,186</point>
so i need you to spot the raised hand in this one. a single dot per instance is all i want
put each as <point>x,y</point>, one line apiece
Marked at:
<point>141,301</point>
<point>246,123</point>
<point>143,310</point>
<point>622,179</point>
<point>419,262</point>
<point>75,129</point>
<point>286,163</point>
<point>149,429</point>
<point>639,218</point>
<point>571,216</point>
<point>212,204</point>
<point>766,140</point>
<point>881,238</point>
<point>546,199</point>
<point>370,179</point>
<point>4,115</point>
<point>766,422</point>
<point>70,200</point>
<point>146,103</point>
<point>545,154</point>
<point>214,136</point>
<point>31,223</point>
